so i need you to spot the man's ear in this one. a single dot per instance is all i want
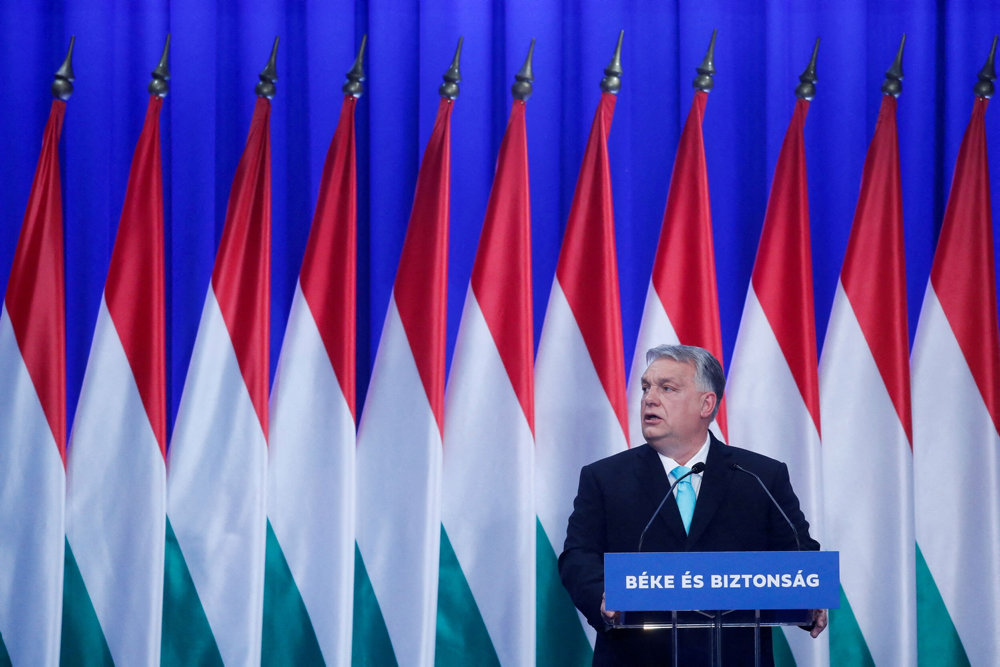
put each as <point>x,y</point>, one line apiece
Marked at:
<point>708,404</point>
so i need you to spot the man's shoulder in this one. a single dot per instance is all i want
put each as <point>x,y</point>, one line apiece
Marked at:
<point>621,460</point>
<point>747,458</point>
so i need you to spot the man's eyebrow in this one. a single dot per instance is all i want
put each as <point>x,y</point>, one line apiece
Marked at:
<point>660,380</point>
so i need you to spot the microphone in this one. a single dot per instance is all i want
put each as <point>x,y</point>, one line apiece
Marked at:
<point>696,468</point>
<point>795,533</point>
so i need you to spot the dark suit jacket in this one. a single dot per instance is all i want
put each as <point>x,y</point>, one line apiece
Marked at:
<point>618,495</point>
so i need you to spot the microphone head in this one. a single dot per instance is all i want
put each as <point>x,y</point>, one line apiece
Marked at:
<point>697,468</point>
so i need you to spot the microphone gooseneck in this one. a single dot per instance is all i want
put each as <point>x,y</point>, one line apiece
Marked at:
<point>695,469</point>
<point>795,533</point>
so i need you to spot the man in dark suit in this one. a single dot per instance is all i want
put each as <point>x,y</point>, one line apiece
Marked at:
<point>617,496</point>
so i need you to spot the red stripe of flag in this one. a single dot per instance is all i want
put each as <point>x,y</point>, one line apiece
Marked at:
<point>684,268</point>
<point>36,298</point>
<point>328,278</point>
<point>421,287</point>
<point>782,275</point>
<point>135,286</point>
<point>964,274</point>
<point>588,264</point>
<point>501,275</point>
<point>241,277</point>
<point>874,273</point>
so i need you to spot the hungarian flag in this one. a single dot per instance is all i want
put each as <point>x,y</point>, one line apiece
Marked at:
<point>116,475</point>
<point>581,350</point>
<point>956,425</point>
<point>486,594</point>
<point>214,582</point>
<point>682,301</point>
<point>33,421</point>
<point>773,387</point>
<point>865,405</point>
<point>309,584</point>
<point>400,435</point>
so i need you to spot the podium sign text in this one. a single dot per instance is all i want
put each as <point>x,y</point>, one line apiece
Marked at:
<point>722,580</point>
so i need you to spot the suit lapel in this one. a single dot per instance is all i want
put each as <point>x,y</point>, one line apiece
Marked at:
<point>714,482</point>
<point>654,482</point>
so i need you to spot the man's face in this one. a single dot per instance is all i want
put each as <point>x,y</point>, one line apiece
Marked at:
<point>673,409</point>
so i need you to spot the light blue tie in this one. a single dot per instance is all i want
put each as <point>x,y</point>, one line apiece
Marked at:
<point>685,495</point>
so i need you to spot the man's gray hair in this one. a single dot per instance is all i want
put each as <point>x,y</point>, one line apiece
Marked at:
<point>708,375</point>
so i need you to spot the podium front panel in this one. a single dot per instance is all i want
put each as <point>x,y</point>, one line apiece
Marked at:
<point>674,581</point>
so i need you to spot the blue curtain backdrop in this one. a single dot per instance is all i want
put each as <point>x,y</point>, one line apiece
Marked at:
<point>219,48</point>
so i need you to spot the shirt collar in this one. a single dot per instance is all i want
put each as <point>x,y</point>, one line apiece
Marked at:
<point>700,456</point>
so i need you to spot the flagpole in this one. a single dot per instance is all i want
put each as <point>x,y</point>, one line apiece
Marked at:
<point>987,75</point>
<point>265,87</point>
<point>612,80</point>
<point>356,75</point>
<point>893,84</point>
<point>159,85</point>
<point>706,70</point>
<point>62,87</point>
<point>806,90</point>
<point>449,89</point>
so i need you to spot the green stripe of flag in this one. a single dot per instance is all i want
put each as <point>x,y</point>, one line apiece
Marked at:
<point>847,644</point>
<point>782,652</point>
<point>288,634</point>
<point>187,635</point>
<point>4,656</point>
<point>560,640</point>
<point>462,637</point>
<point>371,642</point>
<point>938,642</point>
<point>83,641</point>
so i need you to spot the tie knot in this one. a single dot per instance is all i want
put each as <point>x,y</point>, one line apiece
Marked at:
<point>680,471</point>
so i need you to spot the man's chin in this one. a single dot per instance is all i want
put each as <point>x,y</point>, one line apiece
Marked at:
<point>650,435</point>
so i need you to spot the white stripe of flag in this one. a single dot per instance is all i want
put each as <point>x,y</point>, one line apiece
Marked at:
<point>957,471</point>
<point>569,433</point>
<point>32,487</point>
<point>490,519</point>
<point>868,490</point>
<point>767,414</point>
<point>399,495</point>
<point>311,480</point>
<point>215,490</point>
<point>116,502</point>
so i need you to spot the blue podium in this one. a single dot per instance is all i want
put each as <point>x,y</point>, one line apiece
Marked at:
<point>716,590</point>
